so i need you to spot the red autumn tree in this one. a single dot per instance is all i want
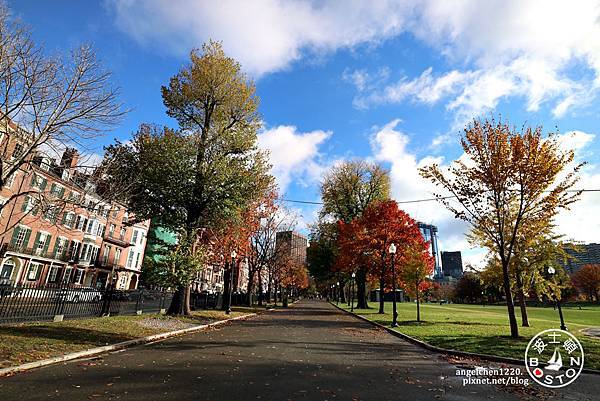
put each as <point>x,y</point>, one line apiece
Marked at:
<point>587,281</point>
<point>415,265</point>
<point>365,241</point>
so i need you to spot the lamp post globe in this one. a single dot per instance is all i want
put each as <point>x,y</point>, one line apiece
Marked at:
<point>392,251</point>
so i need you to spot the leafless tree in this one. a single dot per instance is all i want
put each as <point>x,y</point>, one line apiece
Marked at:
<point>48,102</point>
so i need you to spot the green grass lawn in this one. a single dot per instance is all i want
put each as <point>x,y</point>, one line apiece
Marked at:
<point>484,329</point>
<point>27,342</point>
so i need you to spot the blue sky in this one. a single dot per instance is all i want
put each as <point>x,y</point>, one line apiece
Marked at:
<point>394,82</point>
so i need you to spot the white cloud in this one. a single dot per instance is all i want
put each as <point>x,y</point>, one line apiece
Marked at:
<point>498,48</point>
<point>390,145</point>
<point>293,155</point>
<point>264,35</point>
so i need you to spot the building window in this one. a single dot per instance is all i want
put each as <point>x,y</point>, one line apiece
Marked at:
<point>105,255</point>
<point>41,243</point>
<point>57,190</point>
<point>69,217</point>
<point>81,222</point>
<point>94,255</point>
<point>53,275</point>
<point>67,276</point>
<point>111,230</point>
<point>7,270</point>
<point>117,256</point>
<point>130,258</point>
<point>34,271</point>
<point>115,213</point>
<point>125,218</point>
<point>122,234</point>
<point>51,214</point>
<point>38,182</point>
<point>123,281</point>
<point>78,276</point>
<point>23,233</point>
<point>17,151</point>
<point>74,250</point>
<point>10,180</point>
<point>134,237</point>
<point>105,212</point>
<point>137,260</point>
<point>60,246</point>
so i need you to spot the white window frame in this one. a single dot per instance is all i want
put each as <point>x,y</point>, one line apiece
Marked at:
<point>21,236</point>
<point>39,249</point>
<point>35,271</point>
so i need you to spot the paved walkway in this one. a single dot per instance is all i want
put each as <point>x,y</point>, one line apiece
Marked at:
<point>309,352</point>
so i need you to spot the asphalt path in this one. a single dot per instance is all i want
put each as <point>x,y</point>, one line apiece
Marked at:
<point>310,351</point>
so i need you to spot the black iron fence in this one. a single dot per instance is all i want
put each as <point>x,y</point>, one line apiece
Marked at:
<point>22,303</point>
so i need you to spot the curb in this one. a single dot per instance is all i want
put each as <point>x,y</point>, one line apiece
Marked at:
<point>447,351</point>
<point>114,347</point>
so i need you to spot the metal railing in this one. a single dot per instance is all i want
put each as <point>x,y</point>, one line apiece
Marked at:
<point>22,303</point>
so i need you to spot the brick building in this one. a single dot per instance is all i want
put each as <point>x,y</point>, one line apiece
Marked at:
<point>57,229</point>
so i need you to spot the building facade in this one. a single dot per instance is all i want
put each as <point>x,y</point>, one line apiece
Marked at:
<point>291,246</point>
<point>452,264</point>
<point>58,230</point>
<point>581,255</point>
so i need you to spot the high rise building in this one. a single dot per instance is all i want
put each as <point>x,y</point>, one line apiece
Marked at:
<point>430,235</point>
<point>452,264</point>
<point>581,255</point>
<point>292,246</point>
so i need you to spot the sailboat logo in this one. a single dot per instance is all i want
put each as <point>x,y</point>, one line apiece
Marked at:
<point>554,358</point>
<point>555,363</point>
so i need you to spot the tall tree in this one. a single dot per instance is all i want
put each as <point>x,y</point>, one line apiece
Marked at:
<point>507,180</point>
<point>365,241</point>
<point>347,190</point>
<point>587,281</point>
<point>415,266</point>
<point>218,170</point>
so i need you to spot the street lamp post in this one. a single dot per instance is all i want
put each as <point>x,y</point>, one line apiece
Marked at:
<point>337,293</point>
<point>392,251</point>
<point>352,292</point>
<point>563,326</point>
<point>231,274</point>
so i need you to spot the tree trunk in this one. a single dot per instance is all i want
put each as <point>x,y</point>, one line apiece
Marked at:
<point>342,295</point>
<point>250,287</point>
<point>510,306</point>
<point>260,289</point>
<point>381,288</point>
<point>522,304</point>
<point>418,304</point>
<point>361,289</point>
<point>180,304</point>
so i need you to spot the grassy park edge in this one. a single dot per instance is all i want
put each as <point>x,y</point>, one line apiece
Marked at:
<point>483,329</point>
<point>33,341</point>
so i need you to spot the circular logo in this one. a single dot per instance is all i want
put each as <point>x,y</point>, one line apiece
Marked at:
<point>554,358</point>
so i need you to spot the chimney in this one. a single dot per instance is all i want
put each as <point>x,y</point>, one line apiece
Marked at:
<point>69,159</point>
